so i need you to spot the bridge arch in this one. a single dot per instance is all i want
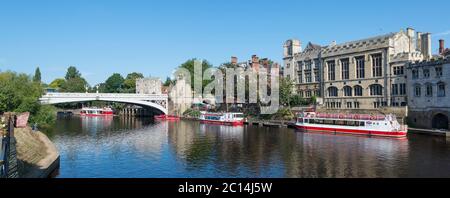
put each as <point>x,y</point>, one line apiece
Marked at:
<point>136,99</point>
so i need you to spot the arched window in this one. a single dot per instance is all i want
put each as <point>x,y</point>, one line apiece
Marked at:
<point>417,90</point>
<point>347,91</point>
<point>332,92</point>
<point>358,90</point>
<point>441,89</point>
<point>429,89</point>
<point>376,90</point>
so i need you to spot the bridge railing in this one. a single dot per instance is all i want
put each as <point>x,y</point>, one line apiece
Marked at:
<point>121,95</point>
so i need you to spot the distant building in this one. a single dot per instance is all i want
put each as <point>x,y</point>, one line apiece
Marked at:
<point>428,90</point>
<point>148,86</point>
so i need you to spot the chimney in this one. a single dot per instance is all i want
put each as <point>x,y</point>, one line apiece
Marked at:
<point>412,43</point>
<point>234,60</point>
<point>426,45</point>
<point>441,46</point>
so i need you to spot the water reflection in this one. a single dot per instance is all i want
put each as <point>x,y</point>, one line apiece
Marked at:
<point>129,147</point>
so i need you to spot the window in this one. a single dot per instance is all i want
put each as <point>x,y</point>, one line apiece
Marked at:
<point>438,71</point>
<point>377,68</point>
<point>316,93</point>
<point>426,73</point>
<point>349,105</point>
<point>316,76</point>
<point>347,91</point>
<point>316,63</point>
<point>345,69</point>
<point>358,90</point>
<point>356,105</point>
<point>400,70</point>
<point>441,89</point>
<point>394,89</point>
<point>376,104</point>
<point>429,89</point>
<point>300,65</point>
<point>300,76</point>
<point>308,65</point>
<point>331,70</point>
<point>415,74</point>
<point>332,92</point>
<point>403,89</point>
<point>376,90</point>
<point>417,91</point>
<point>308,77</point>
<point>308,94</point>
<point>360,67</point>
<point>300,93</point>
<point>288,65</point>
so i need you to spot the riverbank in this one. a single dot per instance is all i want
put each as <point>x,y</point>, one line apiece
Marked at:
<point>38,157</point>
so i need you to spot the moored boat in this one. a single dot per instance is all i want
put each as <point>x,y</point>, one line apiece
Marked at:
<point>359,124</point>
<point>97,112</point>
<point>233,119</point>
<point>166,117</point>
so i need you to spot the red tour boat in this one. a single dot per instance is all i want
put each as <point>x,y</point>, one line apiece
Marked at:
<point>374,125</point>
<point>234,119</point>
<point>97,112</point>
<point>166,117</point>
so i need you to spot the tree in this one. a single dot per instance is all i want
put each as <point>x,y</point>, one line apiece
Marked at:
<point>57,83</point>
<point>74,85</point>
<point>129,84</point>
<point>189,65</point>
<point>286,87</point>
<point>114,83</point>
<point>168,82</point>
<point>72,72</point>
<point>37,75</point>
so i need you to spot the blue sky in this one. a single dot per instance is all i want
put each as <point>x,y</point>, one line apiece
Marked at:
<point>154,37</point>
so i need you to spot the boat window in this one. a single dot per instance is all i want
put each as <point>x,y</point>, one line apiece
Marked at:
<point>362,124</point>
<point>306,120</point>
<point>238,115</point>
<point>300,120</point>
<point>312,121</point>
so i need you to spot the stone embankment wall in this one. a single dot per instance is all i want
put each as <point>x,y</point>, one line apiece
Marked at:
<point>37,156</point>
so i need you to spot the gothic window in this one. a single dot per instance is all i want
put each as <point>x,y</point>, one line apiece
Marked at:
<point>358,90</point>
<point>377,67</point>
<point>438,71</point>
<point>308,65</point>
<point>345,69</point>
<point>429,89</point>
<point>400,70</point>
<point>415,74</point>
<point>316,76</point>
<point>417,91</point>
<point>360,67</point>
<point>402,89</point>
<point>308,77</point>
<point>426,73</point>
<point>394,89</point>
<point>332,92</point>
<point>308,94</point>
<point>347,91</point>
<point>376,90</point>
<point>441,89</point>
<point>331,70</point>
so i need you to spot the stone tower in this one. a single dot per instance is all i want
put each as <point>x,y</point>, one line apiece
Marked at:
<point>292,47</point>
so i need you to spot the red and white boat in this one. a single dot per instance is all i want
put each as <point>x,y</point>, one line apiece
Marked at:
<point>233,119</point>
<point>373,125</point>
<point>166,117</point>
<point>97,112</point>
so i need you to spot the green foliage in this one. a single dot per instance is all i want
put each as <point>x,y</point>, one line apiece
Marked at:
<point>284,114</point>
<point>37,75</point>
<point>189,65</point>
<point>286,87</point>
<point>72,72</point>
<point>192,113</point>
<point>57,83</point>
<point>114,83</point>
<point>45,117</point>
<point>74,85</point>
<point>19,93</point>
<point>129,85</point>
<point>168,82</point>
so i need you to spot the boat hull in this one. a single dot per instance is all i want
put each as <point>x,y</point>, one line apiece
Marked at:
<point>394,134</point>
<point>96,115</point>
<point>166,117</point>
<point>229,123</point>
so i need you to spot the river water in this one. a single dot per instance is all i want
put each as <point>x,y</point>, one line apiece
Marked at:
<point>122,147</point>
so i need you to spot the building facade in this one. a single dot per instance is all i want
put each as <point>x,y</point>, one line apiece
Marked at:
<point>304,68</point>
<point>429,94</point>
<point>362,74</point>
<point>148,86</point>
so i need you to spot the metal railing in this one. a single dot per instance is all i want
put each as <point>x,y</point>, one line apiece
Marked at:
<point>5,153</point>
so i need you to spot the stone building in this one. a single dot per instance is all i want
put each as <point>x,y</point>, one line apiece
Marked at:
<point>303,67</point>
<point>428,90</point>
<point>148,86</point>
<point>362,74</point>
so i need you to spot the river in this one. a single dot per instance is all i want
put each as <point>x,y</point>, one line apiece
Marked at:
<point>122,147</point>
